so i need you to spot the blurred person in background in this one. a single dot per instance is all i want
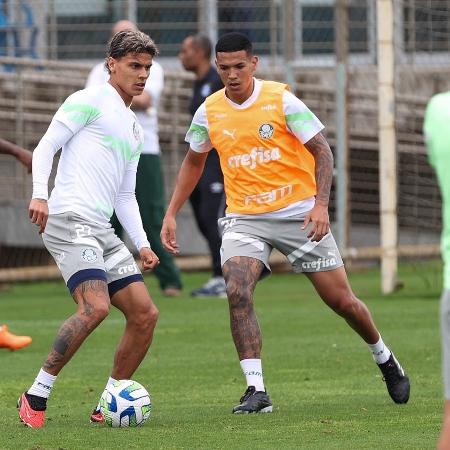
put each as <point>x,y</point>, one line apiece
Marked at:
<point>101,143</point>
<point>278,170</point>
<point>207,198</point>
<point>8,339</point>
<point>11,341</point>
<point>22,155</point>
<point>437,138</point>
<point>149,178</point>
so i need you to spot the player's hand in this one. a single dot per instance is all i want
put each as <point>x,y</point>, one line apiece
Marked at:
<point>319,220</point>
<point>169,235</point>
<point>38,213</point>
<point>148,258</point>
<point>25,157</point>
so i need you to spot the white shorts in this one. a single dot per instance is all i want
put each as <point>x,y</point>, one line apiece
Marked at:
<point>84,250</point>
<point>257,237</point>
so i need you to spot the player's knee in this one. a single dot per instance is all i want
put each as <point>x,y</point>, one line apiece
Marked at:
<point>102,310</point>
<point>238,297</point>
<point>95,312</point>
<point>153,315</point>
<point>145,319</point>
<point>346,305</point>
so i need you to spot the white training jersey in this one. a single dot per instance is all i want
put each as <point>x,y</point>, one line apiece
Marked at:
<point>101,142</point>
<point>148,119</point>
<point>293,108</point>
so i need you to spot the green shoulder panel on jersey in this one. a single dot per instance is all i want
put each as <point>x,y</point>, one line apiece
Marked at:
<point>81,113</point>
<point>299,122</point>
<point>122,147</point>
<point>198,132</point>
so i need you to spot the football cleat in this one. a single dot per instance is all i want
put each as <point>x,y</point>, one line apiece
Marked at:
<point>215,287</point>
<point>96,416</point>
<point>11,341</point>
<point>397,382</point>
<point>253,402</point>
<point>32,410</point>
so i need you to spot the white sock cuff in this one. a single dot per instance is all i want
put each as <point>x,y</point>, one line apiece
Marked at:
<point>378,346</point>
<point>47,376</point>
<point>43,384</point>
<point>250,361</point>
<point>252,369</point>
<point>380,351</point>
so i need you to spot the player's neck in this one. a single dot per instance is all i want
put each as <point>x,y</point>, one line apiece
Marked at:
<point>127,99</point>
<point>202,70</point>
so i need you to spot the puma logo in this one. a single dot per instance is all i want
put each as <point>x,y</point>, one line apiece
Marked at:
<point>230,133</point>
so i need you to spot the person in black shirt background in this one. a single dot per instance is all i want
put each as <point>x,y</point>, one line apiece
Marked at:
<point>208,198</point>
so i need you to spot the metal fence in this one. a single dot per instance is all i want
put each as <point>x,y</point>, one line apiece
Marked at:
<point>294,29</point>
<point>303,42</point>
<point>66,29</point>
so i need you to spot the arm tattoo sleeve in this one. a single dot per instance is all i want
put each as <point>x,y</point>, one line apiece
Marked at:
<point>319,148</point>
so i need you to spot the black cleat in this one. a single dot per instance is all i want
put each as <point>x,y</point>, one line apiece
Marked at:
<point>397,382</point>
<point>253,402</point>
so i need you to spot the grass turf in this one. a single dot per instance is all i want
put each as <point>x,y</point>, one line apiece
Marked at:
<point>327,392</point>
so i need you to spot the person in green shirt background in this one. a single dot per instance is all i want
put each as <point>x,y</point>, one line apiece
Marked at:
<point>437,137</point>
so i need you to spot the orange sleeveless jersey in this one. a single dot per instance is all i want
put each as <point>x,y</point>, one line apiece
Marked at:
<point>265,167</point>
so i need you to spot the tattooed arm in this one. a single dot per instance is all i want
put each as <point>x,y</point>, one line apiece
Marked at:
<point>319,148</point>
<point>323,157</point>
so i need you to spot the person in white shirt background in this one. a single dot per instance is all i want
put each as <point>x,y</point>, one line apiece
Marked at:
<point>149,179</point>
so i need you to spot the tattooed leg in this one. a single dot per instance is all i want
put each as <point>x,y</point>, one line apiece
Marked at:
<point>241,274</point>
<point>93,306</point>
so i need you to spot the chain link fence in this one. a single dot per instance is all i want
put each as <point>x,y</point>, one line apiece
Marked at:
<point>303,42</point>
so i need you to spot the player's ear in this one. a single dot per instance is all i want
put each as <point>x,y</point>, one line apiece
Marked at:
<point>112,64</point>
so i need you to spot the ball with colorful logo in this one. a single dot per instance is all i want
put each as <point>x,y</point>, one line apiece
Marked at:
<point>125,403</point>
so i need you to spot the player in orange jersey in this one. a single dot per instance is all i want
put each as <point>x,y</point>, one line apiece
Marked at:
<point>277,170</point>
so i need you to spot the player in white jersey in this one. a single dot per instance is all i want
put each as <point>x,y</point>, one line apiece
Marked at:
<point>149,177</point>
<point>101,141</point>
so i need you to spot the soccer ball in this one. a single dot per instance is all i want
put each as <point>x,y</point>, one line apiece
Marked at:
<point>125,403</point>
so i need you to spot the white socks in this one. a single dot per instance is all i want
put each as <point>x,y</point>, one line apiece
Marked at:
<point>110,381</point>
<point>380,352</point>
<point>42,385</point>
<point>253,373</point>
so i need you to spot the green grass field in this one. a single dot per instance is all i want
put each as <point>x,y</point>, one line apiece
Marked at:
<point>327,391</point>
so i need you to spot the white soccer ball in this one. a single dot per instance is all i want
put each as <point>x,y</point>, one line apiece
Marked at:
<point>125,403</point>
